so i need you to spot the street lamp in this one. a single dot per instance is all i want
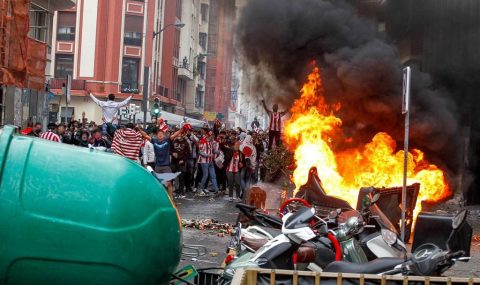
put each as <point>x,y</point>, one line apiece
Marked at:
<point>147,71</point>
<point>178,25</point>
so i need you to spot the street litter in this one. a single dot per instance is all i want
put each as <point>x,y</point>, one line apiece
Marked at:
<point>208,224</point>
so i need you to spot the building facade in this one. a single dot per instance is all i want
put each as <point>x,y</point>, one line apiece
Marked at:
<point>105,47</point>
<point>220,56</point>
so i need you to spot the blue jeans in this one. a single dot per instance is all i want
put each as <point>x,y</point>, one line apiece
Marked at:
<point>105,126</point>
<point>208,170</point>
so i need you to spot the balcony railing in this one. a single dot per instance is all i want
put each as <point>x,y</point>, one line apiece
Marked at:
<point>57,83</point>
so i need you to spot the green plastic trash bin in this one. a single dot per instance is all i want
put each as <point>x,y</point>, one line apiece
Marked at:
<point>70,215</point>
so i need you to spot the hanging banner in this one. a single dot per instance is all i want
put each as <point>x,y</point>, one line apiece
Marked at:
<point>210,116</point>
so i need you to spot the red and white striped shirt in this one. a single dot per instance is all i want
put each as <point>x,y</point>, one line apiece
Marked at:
<point>127,143</point>
<point>205,150</point>
<point>51,136</point>
<point>233,166</point>
<point>275,121</point>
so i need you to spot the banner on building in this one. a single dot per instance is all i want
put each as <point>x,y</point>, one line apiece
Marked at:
<point>210,116</point>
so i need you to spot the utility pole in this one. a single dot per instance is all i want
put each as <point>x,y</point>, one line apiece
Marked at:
<point>406,112</point>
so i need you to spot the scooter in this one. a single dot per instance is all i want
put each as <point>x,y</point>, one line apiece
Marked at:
<point>299,246</point>
<point>427,260</point>
<point>365,235</point>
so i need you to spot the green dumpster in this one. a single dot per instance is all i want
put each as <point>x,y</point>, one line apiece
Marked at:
<point>70,215</point>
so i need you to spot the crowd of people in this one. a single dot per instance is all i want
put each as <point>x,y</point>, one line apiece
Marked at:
<point>204,158</point>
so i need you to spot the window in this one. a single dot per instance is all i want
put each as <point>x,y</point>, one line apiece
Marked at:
<point>176,46</point>
<point>204,12</point>
<point>181,89</point>
<point>175,83</point>
<point>202,40</point>
<point>39,23</point>
<point>199,98</point>
<point>132,38</point>
<point>133,32</point>
<point>201,69</point>
<point>66,34</point>
<point>63,65</point>
<point>70,111</point>
<point>66,26</point>
<point>130,69</point>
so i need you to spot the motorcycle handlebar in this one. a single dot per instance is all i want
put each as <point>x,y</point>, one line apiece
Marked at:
<point>456,254</point>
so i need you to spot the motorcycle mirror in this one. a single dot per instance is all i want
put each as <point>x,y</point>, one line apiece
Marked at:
<point>375,198</point>
<point>459,219</point>
<point>333,214</point>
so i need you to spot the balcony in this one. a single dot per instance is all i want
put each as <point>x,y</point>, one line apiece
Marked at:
<point>57,83</point>
<point>185,74</point>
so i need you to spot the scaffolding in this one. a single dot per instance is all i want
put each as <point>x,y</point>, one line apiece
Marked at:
<point>22,58</point>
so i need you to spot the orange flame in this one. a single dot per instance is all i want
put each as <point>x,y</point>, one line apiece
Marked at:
<point>312,132</point>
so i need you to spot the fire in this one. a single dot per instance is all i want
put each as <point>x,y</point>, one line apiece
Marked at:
<point>312,132</point>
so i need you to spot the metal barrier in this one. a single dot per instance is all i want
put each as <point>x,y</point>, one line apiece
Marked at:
<point>269,276</point>
<point>207,276</point>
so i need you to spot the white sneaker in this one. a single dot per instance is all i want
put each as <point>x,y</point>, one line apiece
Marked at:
<point>231,199</point>
<point>181,196</point>
<point>201,193</point>
<point>194,190</point>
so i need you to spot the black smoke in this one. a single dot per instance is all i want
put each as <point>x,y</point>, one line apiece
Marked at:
<point>359,69</point>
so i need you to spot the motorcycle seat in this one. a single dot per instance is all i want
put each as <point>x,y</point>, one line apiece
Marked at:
<point>254,243</point>
<point>376,266</point>
<point>306,253</point>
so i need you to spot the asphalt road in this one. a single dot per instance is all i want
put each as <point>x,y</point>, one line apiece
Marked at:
<point>223,211</point>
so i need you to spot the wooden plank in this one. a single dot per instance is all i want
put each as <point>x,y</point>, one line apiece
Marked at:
<point>339,279</point>
<point>252,277</point>
<point>383,279</point>
<point>272,277</point>
<point>317,279</point>
<point>295,277</point>
<point>239,277</point>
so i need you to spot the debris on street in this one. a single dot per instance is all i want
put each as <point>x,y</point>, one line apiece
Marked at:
<point>208,224</point>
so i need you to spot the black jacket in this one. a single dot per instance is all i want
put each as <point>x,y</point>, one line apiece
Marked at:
<point>228,155</point>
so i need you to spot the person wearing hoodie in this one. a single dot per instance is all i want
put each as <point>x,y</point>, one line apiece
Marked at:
<point>83,141</point>
<point>249,151</point>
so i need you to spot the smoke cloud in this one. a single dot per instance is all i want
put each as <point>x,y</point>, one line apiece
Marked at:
<point>363,72</point>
